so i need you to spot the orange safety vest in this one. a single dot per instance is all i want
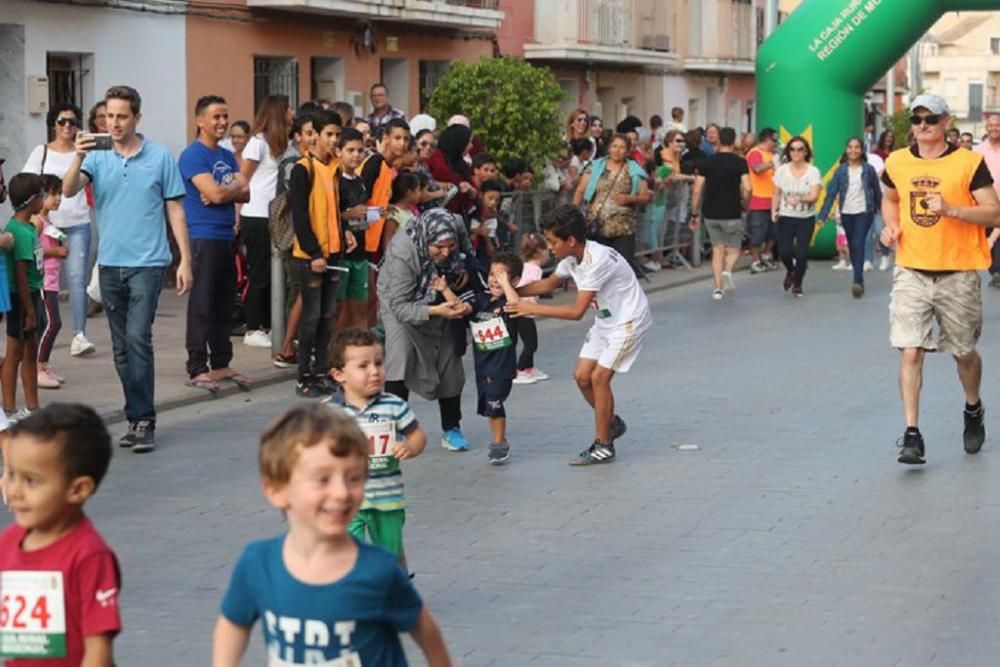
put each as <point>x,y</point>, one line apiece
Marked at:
<point>380,195</point>
<point>931,241</point>
<point>762,184</point>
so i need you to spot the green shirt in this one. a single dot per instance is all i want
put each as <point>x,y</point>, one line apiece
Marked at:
<point>26,249</point>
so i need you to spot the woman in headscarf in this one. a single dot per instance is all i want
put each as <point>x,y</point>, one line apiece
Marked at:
<point>448,165</point>
<point>420,355</point>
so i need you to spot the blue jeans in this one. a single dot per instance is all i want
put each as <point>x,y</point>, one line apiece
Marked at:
<point>77,275</point>
<point>857,228</point>
<point>873,240</point>
<point>130,296</point>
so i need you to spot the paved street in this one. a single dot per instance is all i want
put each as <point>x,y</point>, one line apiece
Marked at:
<point>791,538</point>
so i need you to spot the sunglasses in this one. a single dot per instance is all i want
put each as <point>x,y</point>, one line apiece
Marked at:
<point>930,119</point>
<point>426,144</point>
<point>796,149</point>
<point>66,121</point>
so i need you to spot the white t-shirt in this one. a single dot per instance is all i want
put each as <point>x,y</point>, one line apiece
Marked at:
<point>264,182</point>
<point>854,198</point>
<point>796,187</point>
<point>619,300</point>
<point>73,211</point>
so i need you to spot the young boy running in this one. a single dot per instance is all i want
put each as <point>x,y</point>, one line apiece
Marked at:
<point>392,431</point>
<point>24,276</point>
<point>606,283</point>
<point>323,597</point>
<point>494,345</point>
<point>60,580</point>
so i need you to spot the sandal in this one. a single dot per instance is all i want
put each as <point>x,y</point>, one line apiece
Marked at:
<point>240,380</point>
<point>208,384</point>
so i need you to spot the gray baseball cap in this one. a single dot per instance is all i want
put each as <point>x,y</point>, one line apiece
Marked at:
<point>931,102</point>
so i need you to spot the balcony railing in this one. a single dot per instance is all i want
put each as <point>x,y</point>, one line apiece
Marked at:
<point>476,4</point>
<point>475,14</point>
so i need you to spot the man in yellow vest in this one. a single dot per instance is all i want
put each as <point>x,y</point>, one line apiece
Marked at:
<point>937,199</point>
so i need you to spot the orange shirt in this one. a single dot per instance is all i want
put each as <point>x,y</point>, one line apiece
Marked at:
<point>930,241</point>
<point>762,184</point>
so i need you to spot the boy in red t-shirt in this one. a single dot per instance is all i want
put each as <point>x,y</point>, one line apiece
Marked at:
<point>59,580</point>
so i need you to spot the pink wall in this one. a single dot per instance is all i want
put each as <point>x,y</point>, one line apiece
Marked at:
<point>518,26</point>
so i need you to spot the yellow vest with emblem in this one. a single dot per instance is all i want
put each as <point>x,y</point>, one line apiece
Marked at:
<point>930,241</point>
<point>324,206</point>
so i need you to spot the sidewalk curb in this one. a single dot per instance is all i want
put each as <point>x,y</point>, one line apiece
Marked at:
<point>264,379</point>
<point>277,375</point>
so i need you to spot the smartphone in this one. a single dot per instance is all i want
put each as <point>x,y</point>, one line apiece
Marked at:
<point>103,141</point>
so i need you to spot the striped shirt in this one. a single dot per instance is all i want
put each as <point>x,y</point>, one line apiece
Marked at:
<point>384,413</point>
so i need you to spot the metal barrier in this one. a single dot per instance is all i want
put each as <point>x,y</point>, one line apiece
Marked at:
<point>678,243</point>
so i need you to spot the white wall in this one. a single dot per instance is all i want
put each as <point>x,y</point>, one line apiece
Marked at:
<point>146,51</point>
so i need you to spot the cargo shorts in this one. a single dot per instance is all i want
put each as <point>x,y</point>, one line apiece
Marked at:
<point>953,299</point>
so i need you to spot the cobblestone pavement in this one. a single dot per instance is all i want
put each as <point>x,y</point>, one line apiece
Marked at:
<point>791,538</point>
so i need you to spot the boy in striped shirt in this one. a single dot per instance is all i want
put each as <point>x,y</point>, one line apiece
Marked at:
<point>392,431</point>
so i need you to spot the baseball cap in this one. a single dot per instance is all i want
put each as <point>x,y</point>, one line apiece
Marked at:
<point>931,102</point>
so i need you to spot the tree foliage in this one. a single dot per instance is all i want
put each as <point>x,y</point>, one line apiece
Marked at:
<point>513,106</point>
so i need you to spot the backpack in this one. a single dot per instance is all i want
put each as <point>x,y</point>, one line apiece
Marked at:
<point>279,211</point>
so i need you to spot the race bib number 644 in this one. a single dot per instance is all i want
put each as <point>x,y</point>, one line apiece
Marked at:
<point>32,615</point>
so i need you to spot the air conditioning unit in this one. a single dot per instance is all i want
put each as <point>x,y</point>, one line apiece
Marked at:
<point>656,42</point>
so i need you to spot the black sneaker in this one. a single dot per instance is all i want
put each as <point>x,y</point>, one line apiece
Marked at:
<point>128,439</point>
<point>797,292</point>
<point>618,428</point>
<point>974,434</point>
<point>911,449</point>
<point>789,280</point>
<point>144,440</point>
<point>308,388</point>
<point>325,384</point>
<point>598,452</point>
<point>499,453</point>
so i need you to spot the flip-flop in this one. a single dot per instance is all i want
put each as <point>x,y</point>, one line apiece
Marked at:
<point>240,380</point>
<point>209,385</point>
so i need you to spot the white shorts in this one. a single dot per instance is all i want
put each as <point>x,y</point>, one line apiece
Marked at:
<point>615,349</point>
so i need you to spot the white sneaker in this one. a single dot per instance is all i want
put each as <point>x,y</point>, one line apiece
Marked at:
<point>883,264</point>
<point>257,339</point>
<point>525,377</point>
<point>718,295</point>
<point>651,266</point>
<point>539,374</point>
<point>758,267</point>
<point>868,266</point>
<point>727,281</point>
<point>80,346</point>
<point>841,265</point>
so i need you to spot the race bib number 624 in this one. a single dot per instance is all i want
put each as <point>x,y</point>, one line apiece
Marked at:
<point>32,615</point>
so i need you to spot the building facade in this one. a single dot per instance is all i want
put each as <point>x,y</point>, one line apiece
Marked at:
<point>960,60</point>
<point>52,52</point>
<point>643,57</point>
<point>335,49</point>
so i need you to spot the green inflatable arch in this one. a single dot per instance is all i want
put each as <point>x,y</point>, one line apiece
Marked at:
<point>814,70</point>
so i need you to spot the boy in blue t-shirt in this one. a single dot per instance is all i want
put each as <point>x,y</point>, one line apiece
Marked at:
<point>322,596</point>
<point>494,345</point>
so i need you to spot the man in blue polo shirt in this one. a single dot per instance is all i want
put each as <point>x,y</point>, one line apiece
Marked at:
<point>132,185</point>
<point>213,183</point>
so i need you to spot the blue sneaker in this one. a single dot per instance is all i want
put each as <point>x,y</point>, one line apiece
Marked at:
<point>454,441</point>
